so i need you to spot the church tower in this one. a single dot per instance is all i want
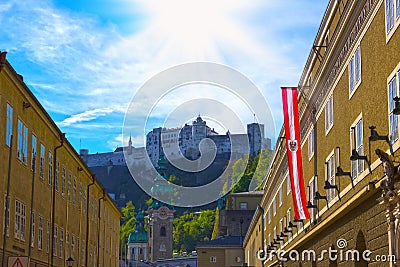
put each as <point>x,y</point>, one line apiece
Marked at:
<point>161,218</point>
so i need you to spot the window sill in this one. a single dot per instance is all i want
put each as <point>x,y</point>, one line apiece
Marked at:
<point>354,89</point>
<point>329,129</point>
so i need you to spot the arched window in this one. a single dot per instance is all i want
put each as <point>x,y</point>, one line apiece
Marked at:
<point>163,231</point>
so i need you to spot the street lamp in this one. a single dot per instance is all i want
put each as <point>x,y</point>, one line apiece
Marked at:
<point>70,261</point>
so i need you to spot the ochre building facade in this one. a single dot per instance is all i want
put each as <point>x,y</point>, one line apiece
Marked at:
<point>350,149</point>
<point>52,207</point>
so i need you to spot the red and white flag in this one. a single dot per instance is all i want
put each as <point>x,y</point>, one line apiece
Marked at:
<point>293,146</point>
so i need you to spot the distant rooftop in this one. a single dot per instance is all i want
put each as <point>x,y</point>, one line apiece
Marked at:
<point>252,193</point>
<point>223,241</point>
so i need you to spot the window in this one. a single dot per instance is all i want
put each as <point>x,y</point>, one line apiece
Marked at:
<point>288,219</point>
<point>330,165</point>
<point>393,120</point>
<point>83,253</point>
<point>280,196</point>
<point>63,175</point>
<point>6,226</point>
<point>313,189</point>
<point>397,9</point>
<point>390,14</point>
<point>264,219</point>
<point>67,247</point>
<point>61,243</point>
<point>243,205</point>
<point>69,185</point>
<point>213,259</point>
<point>55,235</point>
<point>9,124</point>
<point>74,193</point>
<point>274,205</point>
<point>357,166</point>
<point>41,161</point>
<point>40,233</point>
<point>355,70</point>
<point>281,230</point>
<point>57,174</point>
<point>48,237</point>
<point>72,246</point>
<point>20,220</point>
<point>84,203</point>
<point>329,114</point>
<point>311,144</point>
<point>33,229</point>
<point>22,151</point>
<point>269,215</point>
<point>163,232</point>
<point>50,176</point>
<point>80,195</point>
<point>288,185</point>
<point>275,233</point>
<point>33,157</point>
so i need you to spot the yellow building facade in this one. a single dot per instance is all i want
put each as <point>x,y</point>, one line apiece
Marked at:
<point>52,207</point>
<point>348,118</point>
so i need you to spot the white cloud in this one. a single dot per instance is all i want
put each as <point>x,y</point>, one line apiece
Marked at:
<point>88,115</point>
<point>92,70</point>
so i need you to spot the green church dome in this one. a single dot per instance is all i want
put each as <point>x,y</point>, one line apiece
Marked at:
<point>137,237</point>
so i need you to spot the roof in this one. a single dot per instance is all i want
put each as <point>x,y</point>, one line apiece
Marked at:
<point>137,237</point>
<point>223,241</point>
<point>252,193</point>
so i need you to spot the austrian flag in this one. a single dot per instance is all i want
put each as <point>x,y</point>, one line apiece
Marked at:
<point>293,146</point>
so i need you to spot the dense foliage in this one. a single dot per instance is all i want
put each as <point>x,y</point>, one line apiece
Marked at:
<point>127,222</point>
<point>191,228</point>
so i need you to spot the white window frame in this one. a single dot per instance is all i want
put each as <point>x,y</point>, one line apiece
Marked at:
<point>274,205</point>
<point>42,159</point>
<point>22,142</point>
<point>355,71</point>
<point>48,237</point>
<point>55,237</point>
<point>288,185</point>
<point>288,219</point>
<point>392,17</point>
<point>269,215</point>
<point>7,209</point>
<point>33,229</point>
<point>357,167</point>
<point>313,184</point>
<point>330,176</point>
<point>50,170</point>
<point>73,246</point>
<point>40,233</point>
<point>280,196</point>
<point>20,220</point>
<point>329,114</point>
<point>56,185</point>
<point>61,254</point>
<point>33,151</point>
<point>311,145</point>
<point>63,179</point>
<point>9,124</point>
<point>264,218</point>
<point>393,83</point>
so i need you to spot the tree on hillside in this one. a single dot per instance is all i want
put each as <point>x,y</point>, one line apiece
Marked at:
<point>256,168</point>
<point>191,228</point>
<point>127,222</point>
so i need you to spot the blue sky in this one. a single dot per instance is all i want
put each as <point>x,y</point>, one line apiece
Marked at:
<point>84,60</point>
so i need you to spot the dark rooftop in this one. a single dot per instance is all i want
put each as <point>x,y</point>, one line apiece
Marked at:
<point>223,241</point>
